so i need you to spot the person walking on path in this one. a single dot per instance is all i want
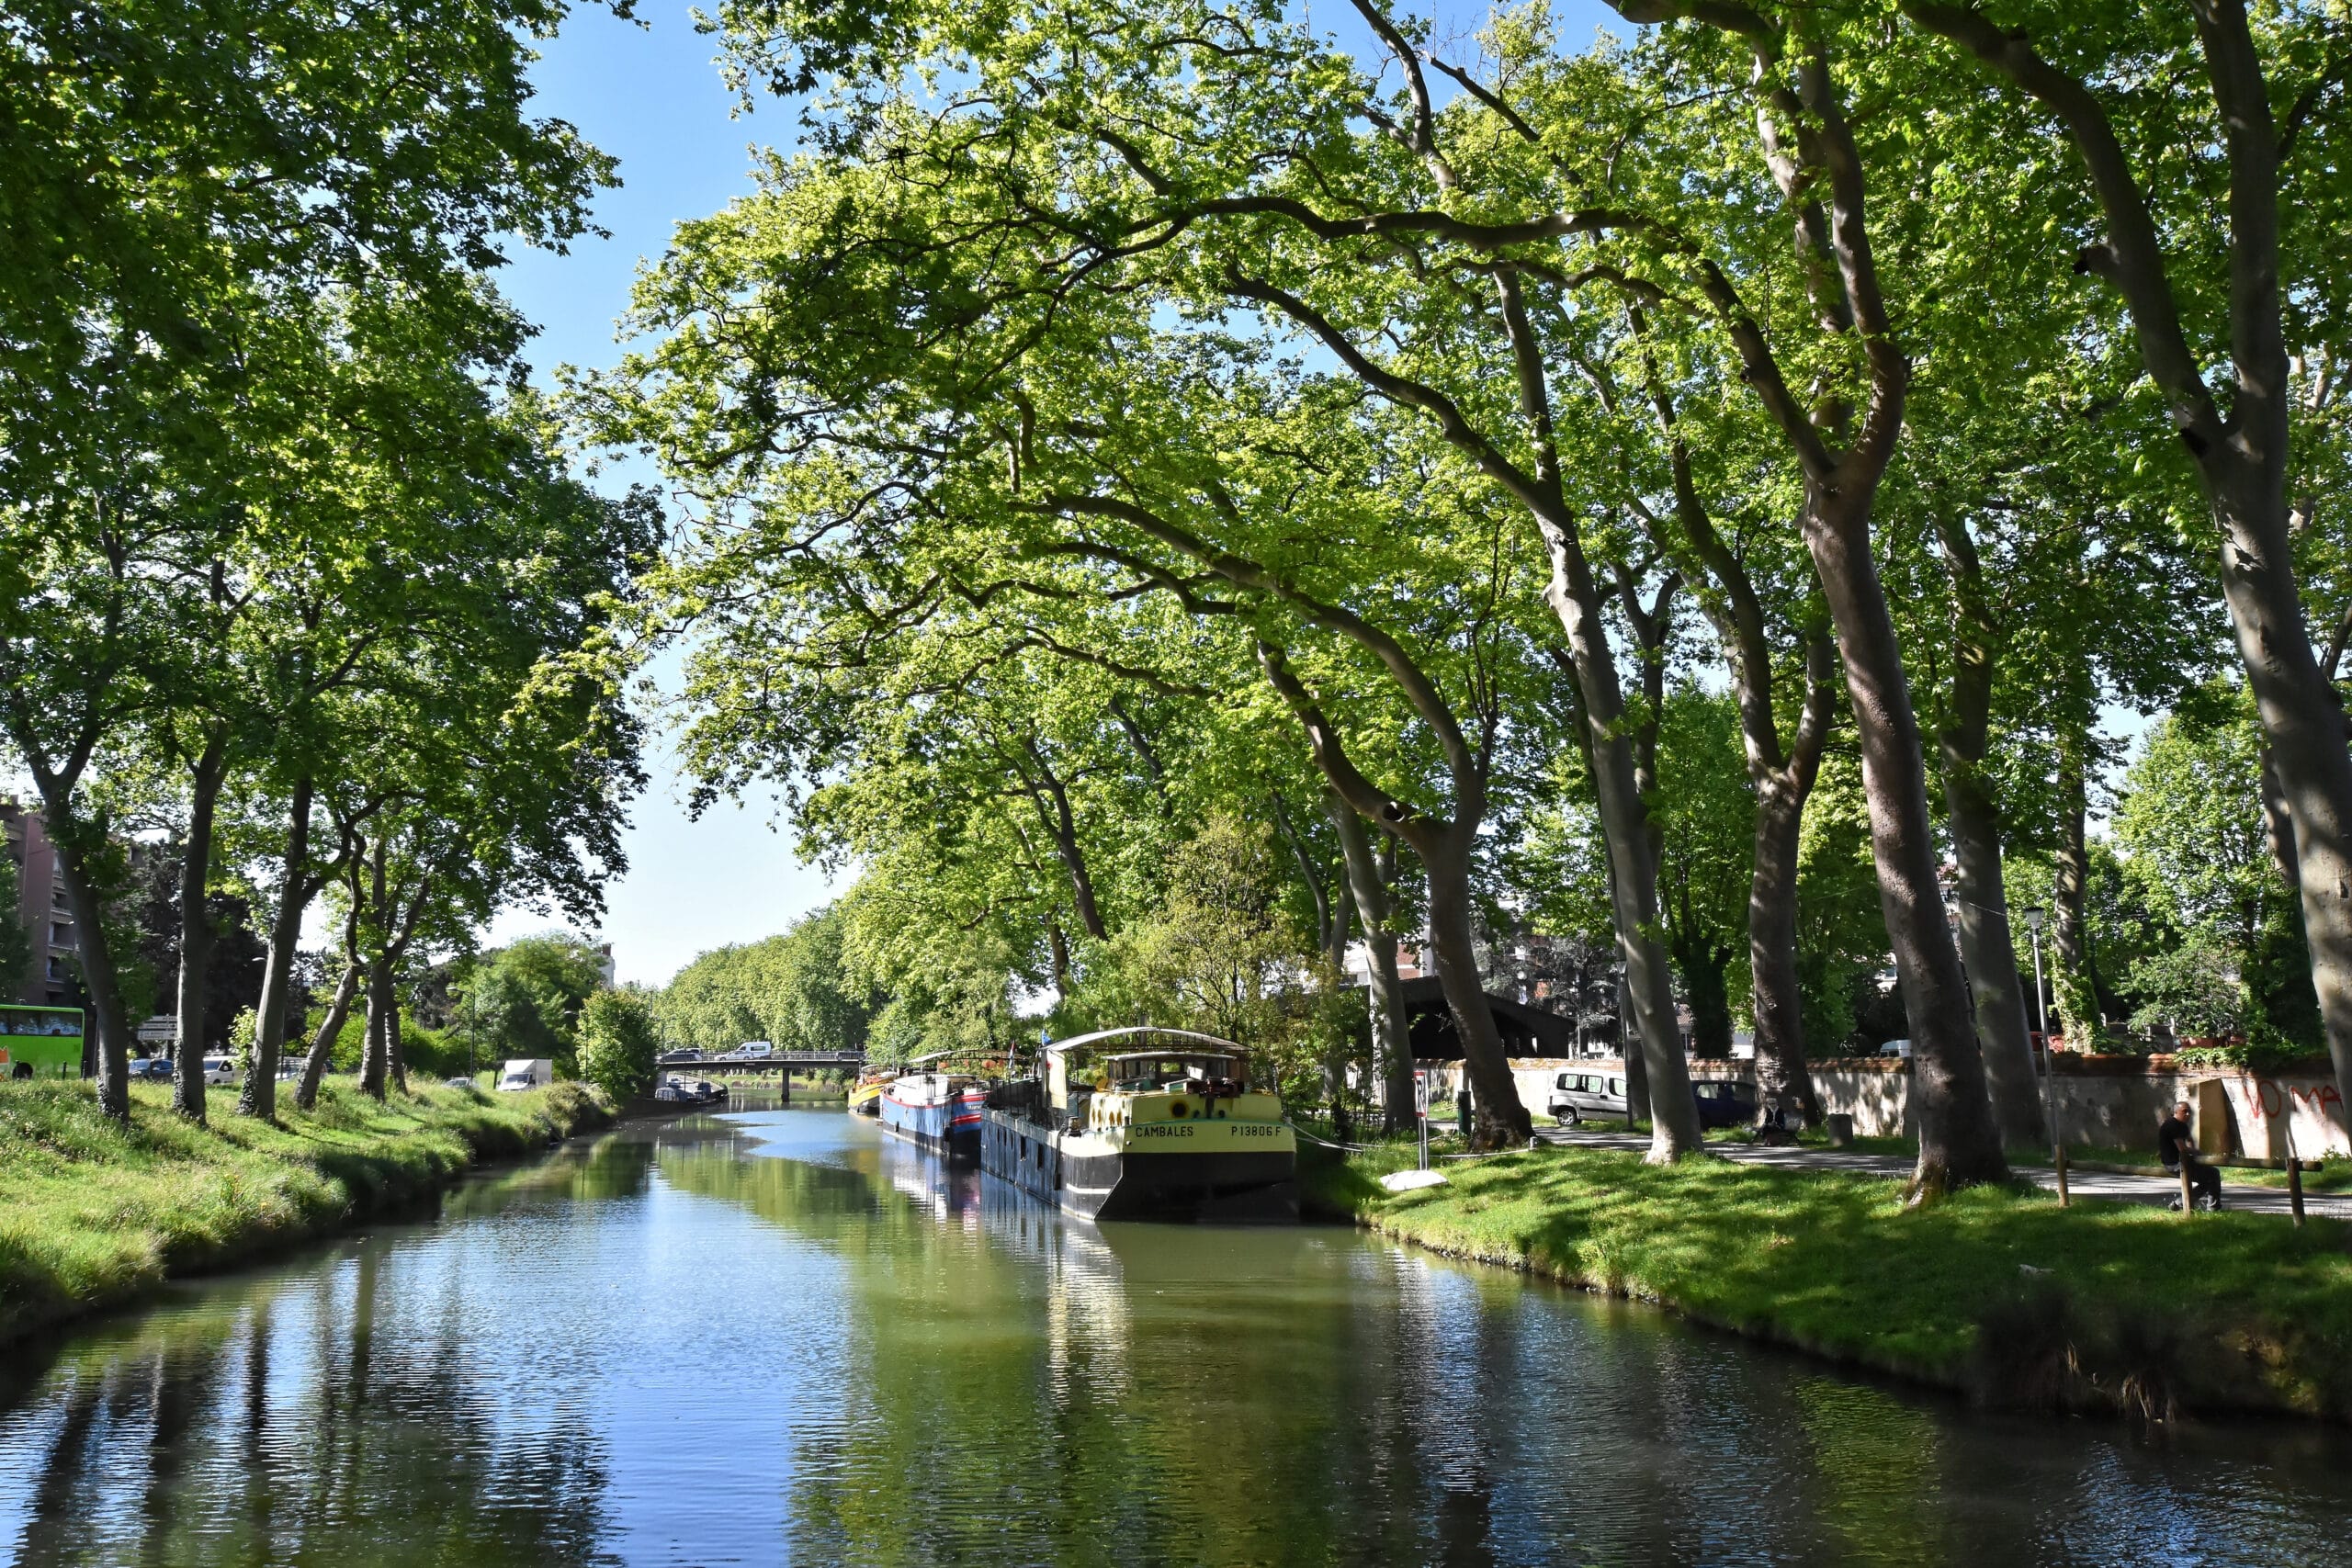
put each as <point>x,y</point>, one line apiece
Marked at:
<point>2176,1146</point>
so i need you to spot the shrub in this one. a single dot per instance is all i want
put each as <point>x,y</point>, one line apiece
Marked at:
<point>617,1044</point>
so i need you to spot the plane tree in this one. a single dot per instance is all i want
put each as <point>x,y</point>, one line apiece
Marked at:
<point>180,184</point>
<point>2216,215</point>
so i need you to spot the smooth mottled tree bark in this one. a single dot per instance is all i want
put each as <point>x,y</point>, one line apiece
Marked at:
<point>80,846</point>
<point>258,1095</point>
<point>196,925</point>
<point>1051,797</point>
<point>1783,774</point>
<point>1385,991</point>
<point>1974,816</point>
<point>2077,980</point>
<point>2242,457</point>
<point>314,1066</point>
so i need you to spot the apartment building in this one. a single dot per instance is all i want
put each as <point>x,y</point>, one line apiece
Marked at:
<point>42,910</point>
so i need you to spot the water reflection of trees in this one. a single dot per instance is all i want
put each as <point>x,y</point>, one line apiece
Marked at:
<point>281,1427</point>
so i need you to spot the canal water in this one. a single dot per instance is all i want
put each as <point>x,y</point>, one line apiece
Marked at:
<point>777,1337</point>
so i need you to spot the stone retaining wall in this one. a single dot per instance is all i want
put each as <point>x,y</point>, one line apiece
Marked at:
<point>2115,1101</point>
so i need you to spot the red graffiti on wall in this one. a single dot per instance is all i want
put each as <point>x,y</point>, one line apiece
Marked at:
<point>2269,1098</point>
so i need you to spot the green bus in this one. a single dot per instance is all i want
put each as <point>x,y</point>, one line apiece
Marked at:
<point>41,1042</point>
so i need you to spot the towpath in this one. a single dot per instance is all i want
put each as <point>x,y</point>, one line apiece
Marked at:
<point>2115,1186</point>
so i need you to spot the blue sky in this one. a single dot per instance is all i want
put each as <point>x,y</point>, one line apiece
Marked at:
<point>651,96</point>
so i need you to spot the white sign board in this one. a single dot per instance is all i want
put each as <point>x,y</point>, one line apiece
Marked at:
<point>163,1028</point>
<point>1421,1092</point>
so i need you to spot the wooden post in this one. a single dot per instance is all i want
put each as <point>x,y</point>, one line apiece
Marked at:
<point>2188,1197</point>
<point>785,1077</point>
<point>2295,1186</point>
<point>2063,1200</point>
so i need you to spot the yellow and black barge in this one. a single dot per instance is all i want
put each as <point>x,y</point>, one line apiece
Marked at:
<point>1144,1124</point>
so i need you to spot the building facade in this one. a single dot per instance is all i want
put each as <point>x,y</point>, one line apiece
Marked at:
<point>42,910</point>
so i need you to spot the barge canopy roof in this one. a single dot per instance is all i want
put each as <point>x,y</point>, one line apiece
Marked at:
<point>1207,1044</point>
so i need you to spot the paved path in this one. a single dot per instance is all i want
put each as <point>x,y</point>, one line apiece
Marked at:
<point>2081,1183</point>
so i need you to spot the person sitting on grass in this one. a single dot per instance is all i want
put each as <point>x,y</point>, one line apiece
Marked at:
<point>2176,1146</point>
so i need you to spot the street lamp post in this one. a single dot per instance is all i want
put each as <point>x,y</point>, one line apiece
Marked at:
<point>2034,915</point>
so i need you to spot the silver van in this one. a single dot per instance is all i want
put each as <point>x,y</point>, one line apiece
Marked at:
<point>1576,1096</point>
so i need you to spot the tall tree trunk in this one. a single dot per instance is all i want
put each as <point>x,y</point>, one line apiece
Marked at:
<point>1960,1143</point>
<point>2076,984</point>
<point>258,1097</point>
<point>1989,952</point>
<point>1987,949</point>
<point>375,1058</point>
<point>1782,1074</point>
<point>1058,947</point>
<point>196,926</point>
<point>1052,800</point>
<point>1502,1120</point>
<point>80,844</point>
<point>1444,847</point>
<point>1392,1049</point>
<point>314,1066</point>
<point>372,1064</point>
<point>1811,152</point>
<point>1624,824</point>
<point>1783,777</point>
<point>2242,455</point>
<point>395,1053</point>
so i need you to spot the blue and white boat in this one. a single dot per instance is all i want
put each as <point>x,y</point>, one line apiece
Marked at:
<point>936,1108</point>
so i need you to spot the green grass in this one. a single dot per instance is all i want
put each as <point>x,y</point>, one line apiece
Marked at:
<point>1995,1291</point>
<point>94,1213</point>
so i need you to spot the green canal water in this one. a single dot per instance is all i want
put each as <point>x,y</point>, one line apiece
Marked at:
<point>777,1337</point>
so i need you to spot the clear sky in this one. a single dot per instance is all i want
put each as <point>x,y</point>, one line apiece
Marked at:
<point>651,95</point>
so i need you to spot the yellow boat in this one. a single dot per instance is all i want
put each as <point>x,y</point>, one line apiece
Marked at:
<point>1145,1124</point>
<point>865,1094</point>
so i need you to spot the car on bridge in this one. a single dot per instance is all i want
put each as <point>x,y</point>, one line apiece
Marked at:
<point>668,1056</point>
<point>753,1050</point>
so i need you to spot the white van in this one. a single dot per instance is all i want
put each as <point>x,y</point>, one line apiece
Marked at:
<point>1576,1096</point>
<point>527,1072</point>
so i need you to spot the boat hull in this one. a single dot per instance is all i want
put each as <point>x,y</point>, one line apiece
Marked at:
<point>1088,1175</point>
<point>948,1128</point>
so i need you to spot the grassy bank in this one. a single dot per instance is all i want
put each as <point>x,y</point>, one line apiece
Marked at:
<point>1996,1292</point>
<point>94,1213</point>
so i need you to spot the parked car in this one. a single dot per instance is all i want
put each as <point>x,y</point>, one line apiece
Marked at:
<point>1895,1048</point>
<point>289,1068</point>
<point>1724,1104</point>
<point>457,1083</point>
<point>219,1070</point>
<point>151,1068</point>
<point>1576,1096</point>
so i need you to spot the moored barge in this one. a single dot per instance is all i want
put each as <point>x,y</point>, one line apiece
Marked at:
<point>1144,1124</point>
<point>936,1108</point>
